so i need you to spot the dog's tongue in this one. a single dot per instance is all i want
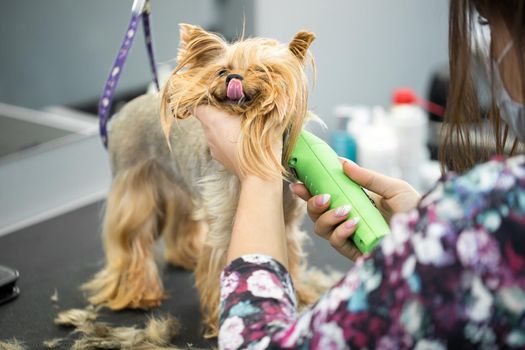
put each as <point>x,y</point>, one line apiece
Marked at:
<point>234,91</point>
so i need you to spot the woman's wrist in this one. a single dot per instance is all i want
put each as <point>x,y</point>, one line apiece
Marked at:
<point>259,198</point>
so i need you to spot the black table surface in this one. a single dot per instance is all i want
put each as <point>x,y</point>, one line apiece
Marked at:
<point>64,252</point>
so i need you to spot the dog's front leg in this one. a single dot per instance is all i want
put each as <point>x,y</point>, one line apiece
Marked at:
<point>221,195</point>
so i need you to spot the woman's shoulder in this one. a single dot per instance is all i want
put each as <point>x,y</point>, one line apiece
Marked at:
<point>489,198</point>
<point>499,179</point>
<point>466,233</point>
<point>497,174</point>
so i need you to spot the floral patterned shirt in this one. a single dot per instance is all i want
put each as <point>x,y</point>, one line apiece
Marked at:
<point>450,275</point>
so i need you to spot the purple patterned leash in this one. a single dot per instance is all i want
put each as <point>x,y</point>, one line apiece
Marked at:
<point>141,8</point>
<point>149,45</point>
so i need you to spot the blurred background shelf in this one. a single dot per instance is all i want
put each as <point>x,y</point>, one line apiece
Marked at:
<point>51,162</point>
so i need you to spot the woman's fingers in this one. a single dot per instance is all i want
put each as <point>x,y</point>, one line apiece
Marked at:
<point>330,224</point>
<point>383,185</point>
<point>334,227</point>
<point>301,191</point>
<point>390,195</point>
<point>317,205</point>
<point>341,234</point>
<point>325,223</point>
<point>341,239</point>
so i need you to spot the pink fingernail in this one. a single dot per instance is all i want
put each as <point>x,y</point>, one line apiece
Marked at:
<point>322,199</point>
<point>342,211</point>
<point>346,160</point>
<point>352,223</point>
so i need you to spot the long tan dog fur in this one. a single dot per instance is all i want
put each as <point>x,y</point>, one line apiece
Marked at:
<point>179,192</point>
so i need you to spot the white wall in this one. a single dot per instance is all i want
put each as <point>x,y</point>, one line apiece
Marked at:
<point>364,48</point>
<point>60,51</point>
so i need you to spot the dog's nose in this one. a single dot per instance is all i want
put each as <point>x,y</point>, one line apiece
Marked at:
<point>233,76</point>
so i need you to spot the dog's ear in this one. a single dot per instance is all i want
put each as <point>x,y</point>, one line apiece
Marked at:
<point>300,44</point>
<point>197,46</point>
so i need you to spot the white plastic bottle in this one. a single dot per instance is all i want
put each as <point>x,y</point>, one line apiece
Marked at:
<point>410,123</point>
<point>377,145</point>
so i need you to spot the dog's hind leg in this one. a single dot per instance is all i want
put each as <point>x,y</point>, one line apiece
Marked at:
<point>184,231</point>
<point>220,199</point>
<point>137,208</point>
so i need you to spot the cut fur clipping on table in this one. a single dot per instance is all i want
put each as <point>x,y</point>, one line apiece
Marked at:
<point>77,317</point>
<point>53,343</point>
<point>11,344</point>
<point>54,296</point>
<point>91,335</point>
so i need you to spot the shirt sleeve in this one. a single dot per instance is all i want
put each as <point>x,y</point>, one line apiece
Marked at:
<point>450,274</point>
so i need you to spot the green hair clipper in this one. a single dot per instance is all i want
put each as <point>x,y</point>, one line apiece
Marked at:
<point>315,163</point>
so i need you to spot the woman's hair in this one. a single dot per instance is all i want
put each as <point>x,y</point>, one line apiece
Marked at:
<point>461,148</point>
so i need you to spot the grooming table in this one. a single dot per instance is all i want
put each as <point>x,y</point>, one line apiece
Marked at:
<point>61,254</point>
<point>64,252</point>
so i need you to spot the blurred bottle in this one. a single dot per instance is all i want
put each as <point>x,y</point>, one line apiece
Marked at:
<point>410,123</point>
<point>377,145</point>
<point>342,141</point>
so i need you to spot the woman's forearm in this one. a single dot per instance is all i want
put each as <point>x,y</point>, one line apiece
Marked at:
<point>259,221</point>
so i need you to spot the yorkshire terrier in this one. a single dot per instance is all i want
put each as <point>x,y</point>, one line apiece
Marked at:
<point>175,188</point>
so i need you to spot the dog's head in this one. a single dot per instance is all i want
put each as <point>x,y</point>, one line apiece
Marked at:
<point>259,79</point>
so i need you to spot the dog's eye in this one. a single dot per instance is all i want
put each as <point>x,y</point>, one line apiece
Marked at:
<point>222,72</point>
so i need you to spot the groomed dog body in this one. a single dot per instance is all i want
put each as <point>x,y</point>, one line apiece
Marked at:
<point>184,195</point>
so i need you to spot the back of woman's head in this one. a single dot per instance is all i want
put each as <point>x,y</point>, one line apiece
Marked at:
<point>467,138</point>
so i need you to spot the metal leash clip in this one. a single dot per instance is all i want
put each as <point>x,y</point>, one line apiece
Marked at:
<point>139,7</point>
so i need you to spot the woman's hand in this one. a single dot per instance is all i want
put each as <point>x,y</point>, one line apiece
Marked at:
<point>222,132</point>
<point>390,195</point>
